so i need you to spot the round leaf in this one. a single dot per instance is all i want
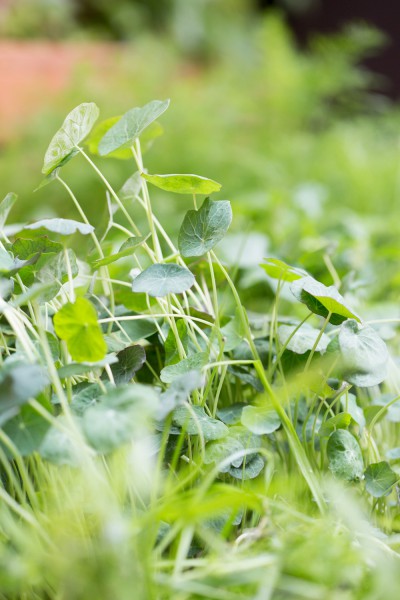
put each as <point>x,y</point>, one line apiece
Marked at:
<point>379,479</point>
<point>129,127</point>
<point>344,455</point>
<point>252,467</point>
<point>260,420</point>
<point>195,420</point>
<point>183,184</point>
<point>202,229</point>
<point>303,339</point>
<point>130,360</point>
<point>364,355</point>
<point>76,323</point>
<point>75,128</point>
<point>160,280</point>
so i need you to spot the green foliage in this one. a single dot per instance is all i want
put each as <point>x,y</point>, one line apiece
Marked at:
<point>202,229</point>
<point>160,280</point>
<point>183,184</point>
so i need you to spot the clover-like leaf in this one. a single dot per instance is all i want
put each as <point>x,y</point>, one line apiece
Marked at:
<point>76,323</point>
<point>183,184</point>
<point>202,229</point>
<point>73,131</point>
<point>130,126</point>
<point>163,279</point>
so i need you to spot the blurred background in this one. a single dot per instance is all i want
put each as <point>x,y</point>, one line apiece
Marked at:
<point>290,104</point>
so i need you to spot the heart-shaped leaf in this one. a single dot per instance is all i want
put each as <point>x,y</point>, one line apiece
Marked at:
<point>160,280</point>
<point>75,128</point>
<point>344,455</point>
<point>322,300</point>
<point>379,479</point>
<point>76,323</point>
<point>183,184</point>
<point>130,126</point>
<point>202,229</point>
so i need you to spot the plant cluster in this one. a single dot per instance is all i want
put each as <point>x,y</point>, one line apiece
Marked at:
<point>159,436</point>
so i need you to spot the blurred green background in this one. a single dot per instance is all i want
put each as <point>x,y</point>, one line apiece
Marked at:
<point>302,139</point>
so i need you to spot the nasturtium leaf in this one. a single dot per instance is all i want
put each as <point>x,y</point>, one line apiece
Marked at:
<point>233,333</point>
<point>130,360</point>
<point>130,126</point>
<point>162,279</point>
<point>5,206</point>
<point>128,248</point>
<point>73,131</point>
<point>202,229</point>
<point>183,184</point>
<point>393,454</point>
<point>131,188</point>
<point>277,269</point>
<point>195,420</point>
<point>349,404</point>
<point>231,415</point>
<point>260,420</point>
<point>364,355</point>
<point>26,431</point>
<point>303,339</point>
<point>195,362</point>
<point>344,455</point>
<point>179,392</point>
<point>251,468</point>
<point>76,323</point>
<point>124,413</point>
<point>26,248</point>
<point>97,134</point>
<point>340,421</point>
<point>88,395</point>
<point>59,446</point>
<point>19,382</point>
<point>379,479</point>
<point>61,226</point>
<point>220,450</point>
<point>322,300</point>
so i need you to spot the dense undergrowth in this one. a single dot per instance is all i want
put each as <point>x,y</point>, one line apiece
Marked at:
<point>165,432</point>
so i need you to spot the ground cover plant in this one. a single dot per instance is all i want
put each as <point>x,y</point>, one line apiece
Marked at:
<point>166,430</point>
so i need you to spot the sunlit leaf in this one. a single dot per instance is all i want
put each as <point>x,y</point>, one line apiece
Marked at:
<point>183,184</point>
<point>163,279</point>
<point>202,229</point>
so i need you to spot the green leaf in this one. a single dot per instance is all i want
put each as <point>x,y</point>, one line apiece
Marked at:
<point>202,229</point>
<point>26,431</point>
<point>393,454</point>
<point>130,126</point>
<point>233,332</point>
<point>195,362</point>
<point>379,479</point>
<point>232,414</point>
<point>61,226</point>
<point>183,184</point>
<point>75,128</point>
<point>303,339</point>
<point>160,280</point>
<point>139,329</point>
<point>131,188</point>
<point>59,446</point>
<point>19,382</point>
<point>260,420</point>
<point>349,404</point>
<point>73,369</point>
<point>195,420</point>
<point>25,249</point>
<point>128,248</point>
<point>76,323</point>
<point>97,134</point>
<point>130,360</point>
<point>220,450</point>
<point>251,468</point>
<point>5,206</point>
<point>179,392</point>
<point>277,269</point>
<point>124,413</point>
<point>322,300</point>
<point>340,421</point>
<point>344,455</point>
<point>363,353</point>
<point>172,355</point>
